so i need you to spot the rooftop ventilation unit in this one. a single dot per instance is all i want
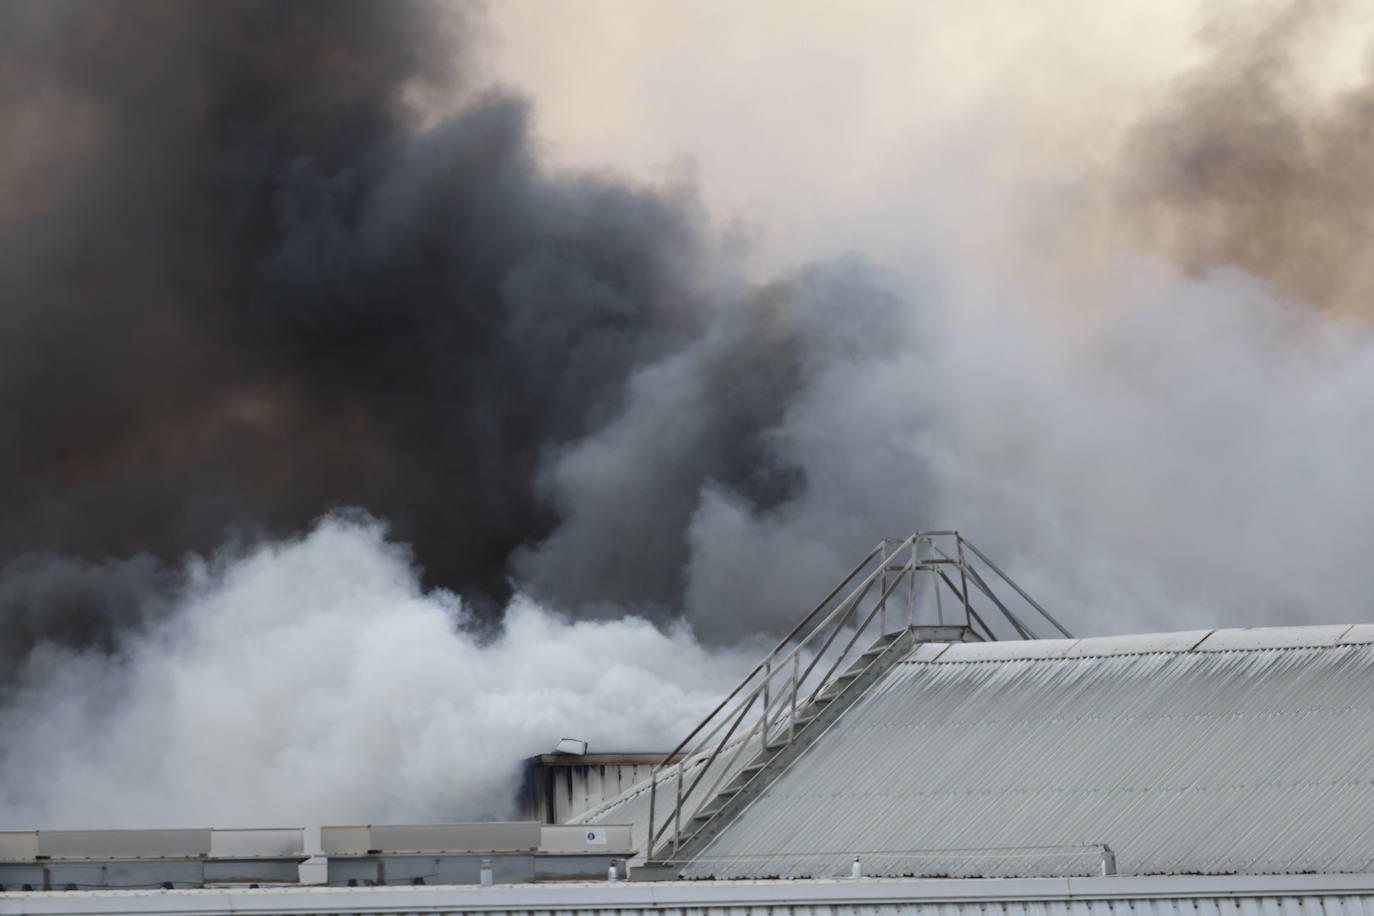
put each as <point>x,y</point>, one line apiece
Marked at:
<point>574,746</point>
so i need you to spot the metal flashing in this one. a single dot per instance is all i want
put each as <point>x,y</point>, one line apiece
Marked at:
<point>1007,649</point>
<point>1179,641</point>
<point>1273,638</point>
<point>1359,633</point>
<point>927,651</point>
<point>1232,895</point>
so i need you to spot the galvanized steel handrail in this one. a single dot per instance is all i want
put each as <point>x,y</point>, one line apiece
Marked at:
<point>762,712</point>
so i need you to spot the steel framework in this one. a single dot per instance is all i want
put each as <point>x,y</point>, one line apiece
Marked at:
<point>950,594</point>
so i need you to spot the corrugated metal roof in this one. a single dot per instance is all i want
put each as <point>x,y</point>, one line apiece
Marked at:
<point>1301,895</point>
<point>1211,752</point>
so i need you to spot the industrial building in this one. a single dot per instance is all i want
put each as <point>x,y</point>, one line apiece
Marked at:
<point>893,755</point>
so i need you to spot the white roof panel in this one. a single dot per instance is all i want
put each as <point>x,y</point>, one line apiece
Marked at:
<point>1184,762</point>
<point>1273,638</point>
<point>1180,641</point>
<point>1360,632</point>
<point>928,651</point>
<point>1000,651</point>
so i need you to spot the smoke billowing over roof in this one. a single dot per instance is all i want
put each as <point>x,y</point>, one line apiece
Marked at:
<point>250,281</point>
<point>301,290</point>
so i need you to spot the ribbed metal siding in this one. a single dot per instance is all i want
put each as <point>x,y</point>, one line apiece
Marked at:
<point>440,900</point>
<point>581,789</point>
<point>1247,761</point>
<point>1241,906</point>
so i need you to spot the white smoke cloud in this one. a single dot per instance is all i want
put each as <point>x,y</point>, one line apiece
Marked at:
<point>1135,471</point>
<point>1162,453</point>
<point>1189,454</point>
<point>315,681</point>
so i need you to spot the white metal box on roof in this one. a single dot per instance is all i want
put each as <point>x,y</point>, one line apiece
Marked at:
<point>491,836</point>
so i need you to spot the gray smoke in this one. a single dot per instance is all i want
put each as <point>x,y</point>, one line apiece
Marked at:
<point>312,679</point>
<point>85,605</point>
<point>1245,163</point>
<point>264,260</point>
<point>261,260</point>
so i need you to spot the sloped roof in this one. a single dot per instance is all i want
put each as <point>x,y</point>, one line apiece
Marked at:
<point>1206,752</point>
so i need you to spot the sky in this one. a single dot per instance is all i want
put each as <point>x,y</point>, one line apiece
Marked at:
<point>815,124</point>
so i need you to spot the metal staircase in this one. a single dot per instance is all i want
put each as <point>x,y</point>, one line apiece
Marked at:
<point>934,586</point>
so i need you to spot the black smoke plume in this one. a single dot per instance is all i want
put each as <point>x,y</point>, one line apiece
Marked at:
<point>260,260</point>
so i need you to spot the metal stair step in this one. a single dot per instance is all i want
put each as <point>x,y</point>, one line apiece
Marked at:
<point>878,648</point>
<point>841,688</point>
<point>841,691</point>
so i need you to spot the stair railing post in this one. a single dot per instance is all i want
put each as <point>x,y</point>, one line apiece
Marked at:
<point>935,587</point>
<point>792,719</point>
<point>882,591</point>
<point>963,575</point>
<point>653,798</point>
<point>767,688</point>
<point>677,812</point>
<point>911,583</point>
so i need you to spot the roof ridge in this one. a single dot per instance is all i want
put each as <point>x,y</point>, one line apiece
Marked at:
<point>1174,642</point>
